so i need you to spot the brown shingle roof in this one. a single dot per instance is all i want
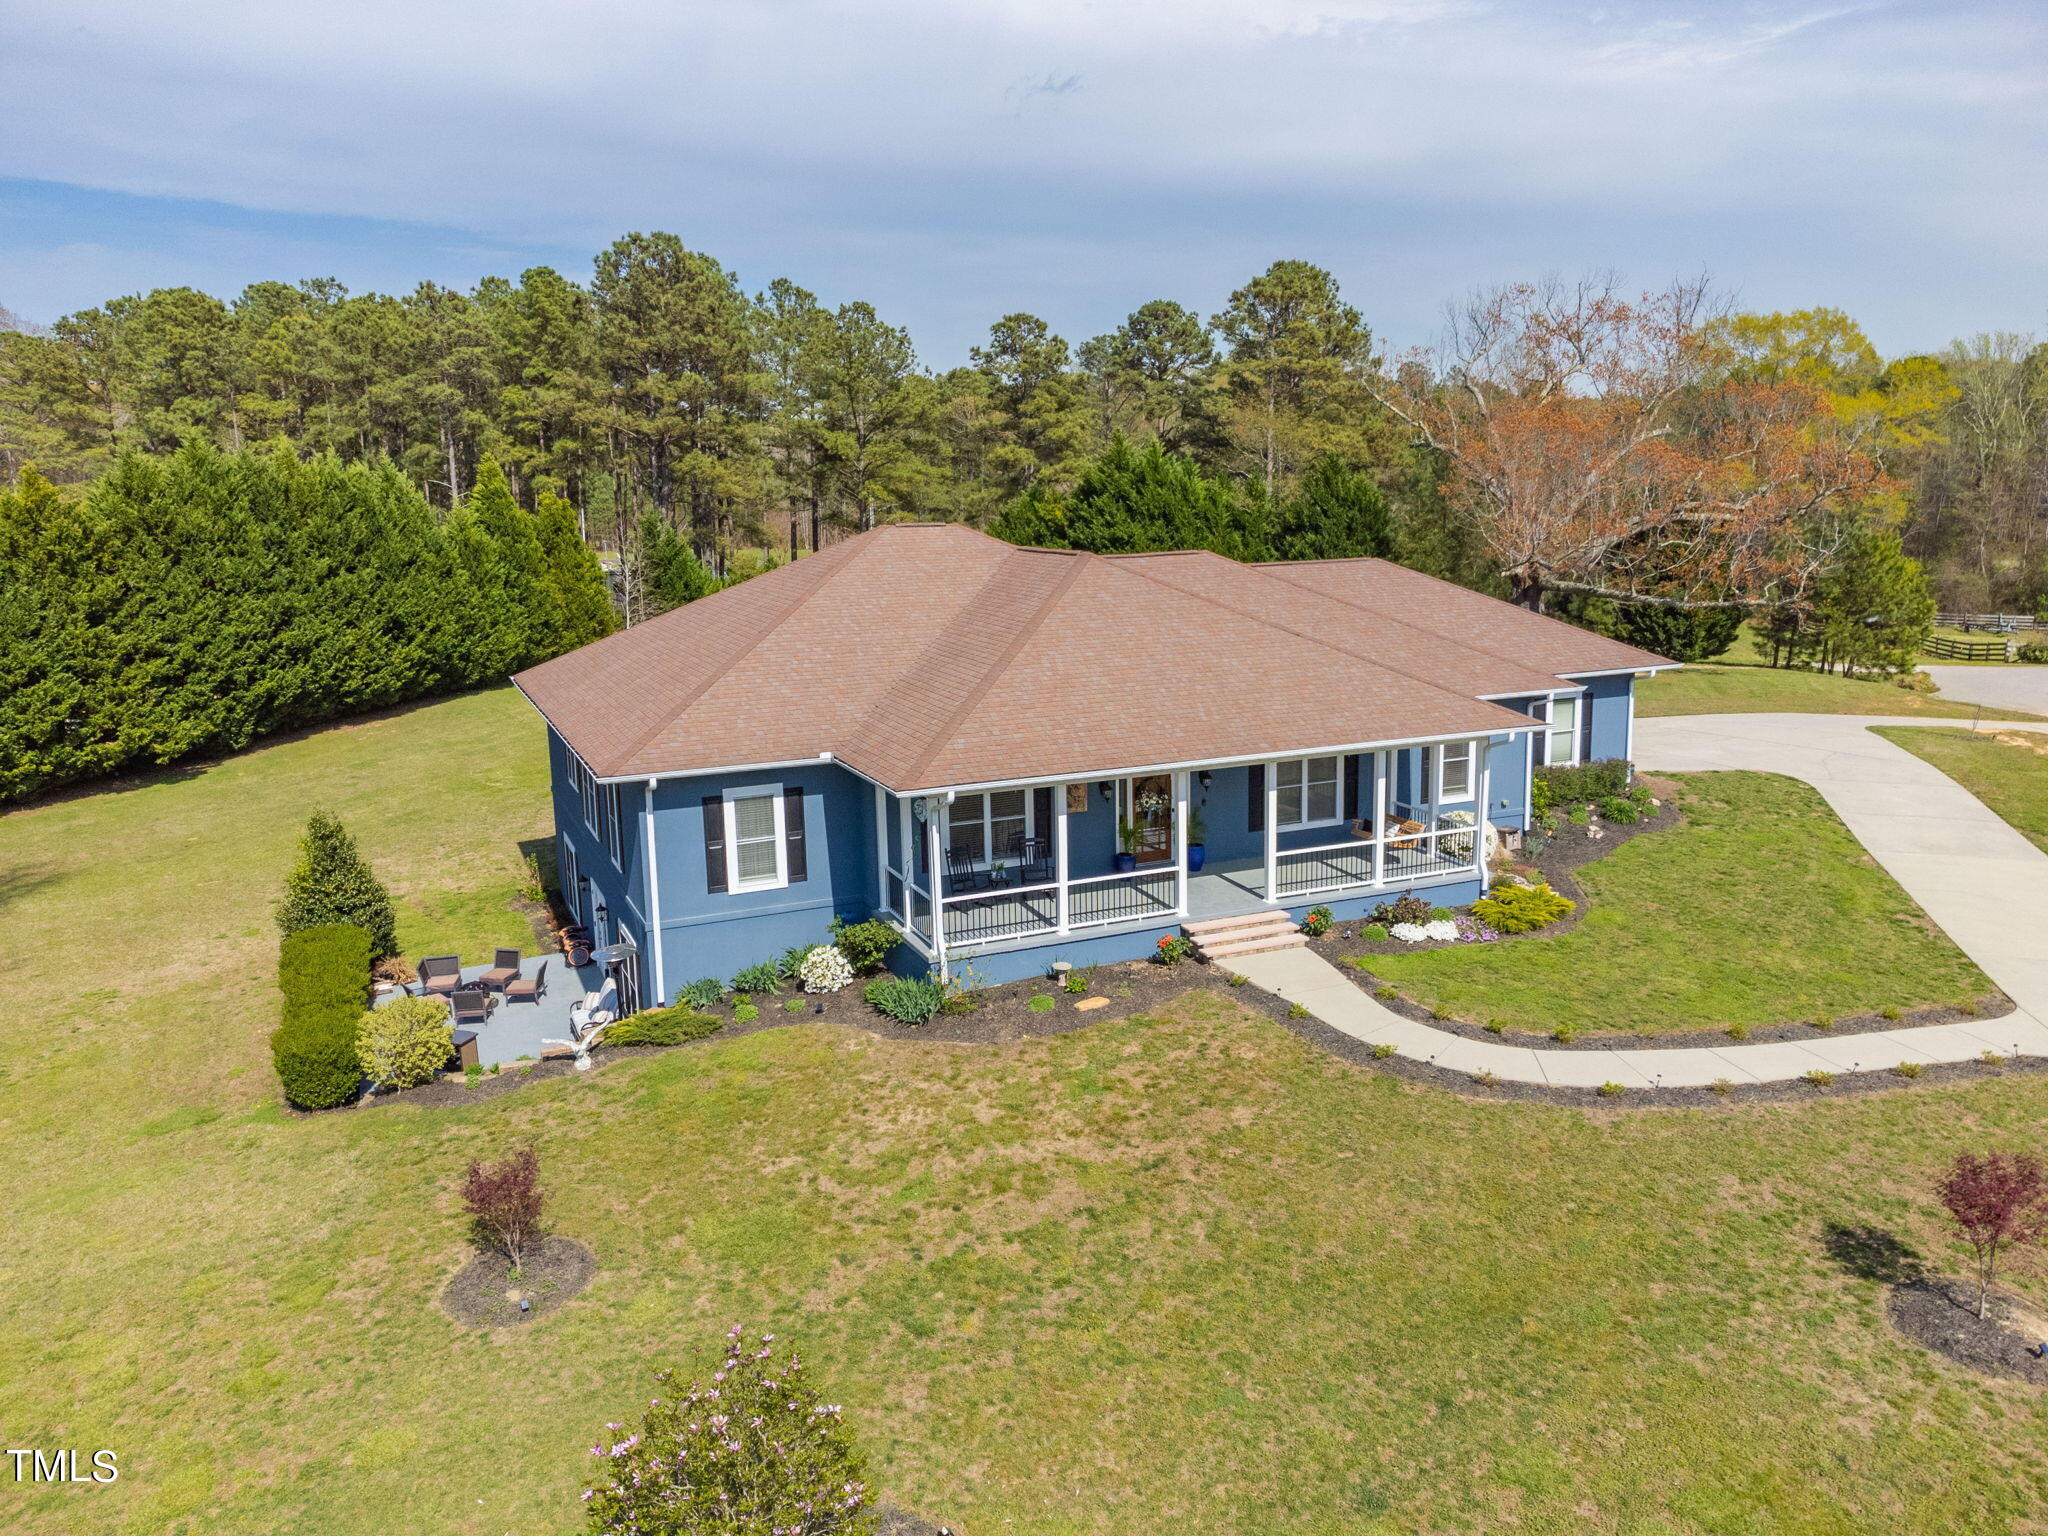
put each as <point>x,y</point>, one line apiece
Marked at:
<point>928,654</point>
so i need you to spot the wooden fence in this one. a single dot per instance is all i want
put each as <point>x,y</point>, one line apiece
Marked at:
<point>1944,649</point>
<point>1999,622</point>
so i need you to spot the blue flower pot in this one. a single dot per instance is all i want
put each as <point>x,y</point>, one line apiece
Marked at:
<point>1196,853</point>
<point>1125,863</point>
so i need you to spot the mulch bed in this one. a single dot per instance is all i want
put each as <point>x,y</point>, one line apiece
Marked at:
<point>484,1294</point>
<point>1571,850</point>
<point>1941,1315</point>
<point>891,1521</point>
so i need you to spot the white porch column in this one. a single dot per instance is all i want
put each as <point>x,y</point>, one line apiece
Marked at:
<point>1059,857</point>
<point>1480,748</point>
<point>934,830</point>
<point>882,850</point>
<point>1379,817</point>
<point>654,904</point>
<point>1272,831</point>
<point>1180,843</point>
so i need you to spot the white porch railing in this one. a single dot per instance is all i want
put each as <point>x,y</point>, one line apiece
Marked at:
<point>989,917</point>
<point>1396,858</point>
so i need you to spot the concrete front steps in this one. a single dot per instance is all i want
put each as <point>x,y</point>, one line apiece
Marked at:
<point>1253,933</point>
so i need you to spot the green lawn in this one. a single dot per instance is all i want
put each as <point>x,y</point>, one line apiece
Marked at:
<point>2007,770</point>
<point>1711,688</point>
<point>1183,1273</point>
<point>1760,908</point>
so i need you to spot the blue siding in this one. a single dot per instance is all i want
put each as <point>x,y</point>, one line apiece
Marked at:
<point>715,933</point>
<point>621,890</point>
<point>1609,703</point>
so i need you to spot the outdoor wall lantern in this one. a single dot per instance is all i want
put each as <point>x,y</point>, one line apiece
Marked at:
<point>1106,789</point>
<point>1205,778</point>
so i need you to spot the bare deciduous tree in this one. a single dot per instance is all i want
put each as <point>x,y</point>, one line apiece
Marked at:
<point>1602,451</point>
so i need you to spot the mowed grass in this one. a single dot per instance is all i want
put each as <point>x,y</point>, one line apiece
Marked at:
<point>1182,1273</point>
<point>1711,688</point>
<point>1760,908</point>
<point>2007,770</point>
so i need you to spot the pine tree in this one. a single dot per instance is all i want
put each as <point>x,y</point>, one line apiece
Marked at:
<point>582,597</point>
<point>1874,610</point>
<point>1338,514</point>
<point>332,883</point>
<point>1131,500</point>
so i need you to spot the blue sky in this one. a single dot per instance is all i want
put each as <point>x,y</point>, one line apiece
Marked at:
<point>953,160</point>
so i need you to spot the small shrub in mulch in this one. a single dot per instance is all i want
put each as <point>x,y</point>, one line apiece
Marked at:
<point>1941,1315</point>
<point>485,1293</point>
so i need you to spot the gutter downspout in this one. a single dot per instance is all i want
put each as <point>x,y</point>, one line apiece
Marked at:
<point>654,939</point>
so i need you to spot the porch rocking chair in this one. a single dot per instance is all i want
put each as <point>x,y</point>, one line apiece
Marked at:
<point>1034,861</point>
<point>962,874</point>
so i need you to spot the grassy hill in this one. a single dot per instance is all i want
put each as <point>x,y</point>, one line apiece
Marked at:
<point>1180,1273</point>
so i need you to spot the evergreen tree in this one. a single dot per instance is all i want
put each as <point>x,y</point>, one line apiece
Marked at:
<point>1132,500</point>
<point>667,572</point>
<point>1874,610</point>
<point>582,597</point>
<point>1338,514</point>
<point>332,883</point>
<point>1683,634</point>
<point>510,604</point>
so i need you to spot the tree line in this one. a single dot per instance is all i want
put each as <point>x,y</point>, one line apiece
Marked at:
<point>195,601</point>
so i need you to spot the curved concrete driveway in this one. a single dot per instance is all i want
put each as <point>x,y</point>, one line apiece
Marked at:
<point>1981,881</point>
<point>2014,686</point>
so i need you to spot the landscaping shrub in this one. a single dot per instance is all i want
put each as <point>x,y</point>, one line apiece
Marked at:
<point>324,974</point>
<point>1374,932</point>
<point>505,1203</point>
<point>825,969</point>
<point>867,945</point>
<point>405,1043</point>
<point>1582,782</point>
<point>905,999</point>
<point>1402,909</point>
<point>792,960</point>
<point>1621,810</point>
<point>1317,922</point>
<point>702,993</point>
<point>765,977</point>
<point>1076,982</point>
<point>753,1451</point>
<point>331,883</point>
<point>662,1026</point>
<point>1044,1002</point>
<point>1173,948</point>
<point>2034,653</point>
<point>1522,908</point>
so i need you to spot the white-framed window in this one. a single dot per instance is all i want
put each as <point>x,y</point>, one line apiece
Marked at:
<point>585,788</point>
<point>1454,771</point>
<point>755,859</point>
<point>566,874</point>
<point>614,832</point>
<point>984,828</point>
<point>1308,791</point>
<point>1561,741</point>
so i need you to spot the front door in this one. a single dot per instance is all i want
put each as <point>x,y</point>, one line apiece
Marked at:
<point>1148,806</point>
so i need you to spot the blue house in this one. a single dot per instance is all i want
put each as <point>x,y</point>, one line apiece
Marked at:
<point>1020,756</point>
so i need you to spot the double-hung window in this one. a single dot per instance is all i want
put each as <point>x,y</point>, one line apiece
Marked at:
<point>1454,771</point>
<point>984,828</point>
<point>614,832</point>
<point>1307,791</point>
<point>754,849</point>
<point>566,874</point>
<point>586,788</point>
<point>1561,741</point>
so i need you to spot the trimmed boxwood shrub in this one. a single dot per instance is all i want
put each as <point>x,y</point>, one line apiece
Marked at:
<point>1582,783</point>
<point>662,1026</point>
<point>324,974</point>
<point>866,945</point>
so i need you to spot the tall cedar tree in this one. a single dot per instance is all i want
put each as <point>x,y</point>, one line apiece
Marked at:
<point>666,571</point>
<point>333,883</point>
<point>583,602</point>
<point>511,609</point>
<point>1338,514</point>
<point>1131,500</point>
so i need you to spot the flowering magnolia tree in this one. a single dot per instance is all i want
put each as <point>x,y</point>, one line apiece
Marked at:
<point>1997,1201</point>
<point>752,1452</point>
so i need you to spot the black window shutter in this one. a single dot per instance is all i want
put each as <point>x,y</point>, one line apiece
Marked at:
<point>1255,809</point>
<point>1351,787</point>
<point>1041,813</point>
<point>793,836</point>
<point>714,843</point>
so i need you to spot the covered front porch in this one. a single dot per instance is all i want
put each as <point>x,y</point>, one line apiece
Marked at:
<point>964,872</point>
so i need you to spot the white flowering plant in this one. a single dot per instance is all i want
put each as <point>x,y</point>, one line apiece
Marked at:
<point>754,1449</point>
<point>1441,930</point>
<point>825,969</point>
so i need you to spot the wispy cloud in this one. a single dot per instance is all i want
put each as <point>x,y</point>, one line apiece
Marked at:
<point>955,159</point>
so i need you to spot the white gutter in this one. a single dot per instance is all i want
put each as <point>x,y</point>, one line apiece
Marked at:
<point>1666,666</point>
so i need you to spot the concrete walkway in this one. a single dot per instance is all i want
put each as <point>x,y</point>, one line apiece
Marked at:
<point>1981,881</point>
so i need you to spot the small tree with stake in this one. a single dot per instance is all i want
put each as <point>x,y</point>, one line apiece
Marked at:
<point>505,1203</point>
<point>1997,1201</point>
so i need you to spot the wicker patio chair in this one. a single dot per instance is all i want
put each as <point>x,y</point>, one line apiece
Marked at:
<point>504,969</point>
<point>440,975</point>
<point>527,989</point>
